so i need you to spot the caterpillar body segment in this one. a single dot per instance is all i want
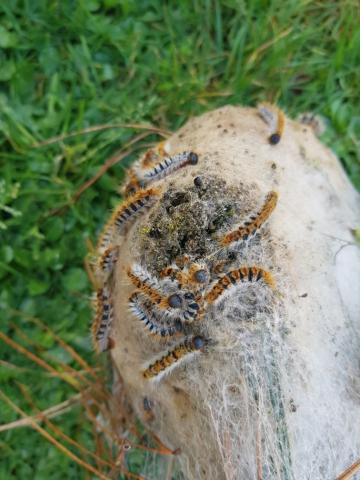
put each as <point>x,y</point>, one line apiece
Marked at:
<point>184,351</point>
<point>167,166</point>
<point>149,158</point>
<point>275,119</point>
<point>231,279</point>
<point>103,319</point>
<point>132,185</point>
<point>276,136</point>
<point>194,277</point>
<point>255,222</point>
<point>106,238</point>
<point>135,205</point>
<point>181,304</point>
<point>153,155</point>
<point>218,267</point>
<point>147,161</point>
<point>147,285</point>
<point>125,215</point>
<point>163,148</point>
<point>171,271</point>
<point>267,113</point>
<point>151,318</point>
<point>182,261</point>
<point>108,260</point>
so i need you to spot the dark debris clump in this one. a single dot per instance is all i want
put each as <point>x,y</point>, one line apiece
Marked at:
<point>187,221</point>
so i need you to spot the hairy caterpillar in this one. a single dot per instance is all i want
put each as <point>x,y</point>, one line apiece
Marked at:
<point>255,222</point>
<point>108,259</point>
<point>167,166</point>
<point>103,319</point>
<point>147,285</point>
<point>250,274</point>
<point>197,274</point>
<point>275,118</point>
<point>183,351</point>
<point>126,213</point>
<point>145,312</point>
<point>180,304</point>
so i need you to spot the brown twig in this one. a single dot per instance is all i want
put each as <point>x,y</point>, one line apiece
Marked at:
<point>67,369</point>
<point>161,449</point>
<point>101,427</point>
<point>98,128</point>
<point>349,472</point>
<point>74,355</point>
<point>58,431</point>
<point>116,158</point>
<point>113,436</point>
<point>52,440</point>
<point>268,44</point>
<point>90,273</point>
<point>39,361</point>
<point>14,367</point>
<point>51,412</point>
<point>66,377</point>
<point>61,342</point>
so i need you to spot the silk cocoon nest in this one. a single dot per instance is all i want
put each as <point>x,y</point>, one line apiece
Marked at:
<point>276,393</point>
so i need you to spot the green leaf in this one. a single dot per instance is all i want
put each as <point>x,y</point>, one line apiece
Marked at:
<point>75,280</point>
<point>7,39</point>
<point>7,70</point>
<point>6,253</point>
<point>37,287</point>
<point>53,229</point>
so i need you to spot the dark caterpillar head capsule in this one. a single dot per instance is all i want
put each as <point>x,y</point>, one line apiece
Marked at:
<point>189,296</point>
<point>274,139</point>
<point>193,158</point>
<point>198,182</point>
<point>148,404</point>
<point>174,301</point>
<point>178,325</point>
<point>194,306</point>
<point>200,276</point>
<point>198,342</point>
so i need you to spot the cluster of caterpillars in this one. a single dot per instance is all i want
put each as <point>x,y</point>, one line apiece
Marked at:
<point>140,197</point>
<point>174,304</point>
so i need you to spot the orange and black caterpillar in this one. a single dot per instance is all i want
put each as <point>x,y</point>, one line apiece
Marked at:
<point>250,274</point>
<point>148,286</point>
<point>103,319</point>
<point>108,259</point>
<point>126,213</point>
<point>181,304</point>
<point>167,166</point>
<point>196,275</point>
<point>181,352</point>
<point>255,222</point>
<point>152,319</point>
<point>148,160</point>
<point>275,118</point>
